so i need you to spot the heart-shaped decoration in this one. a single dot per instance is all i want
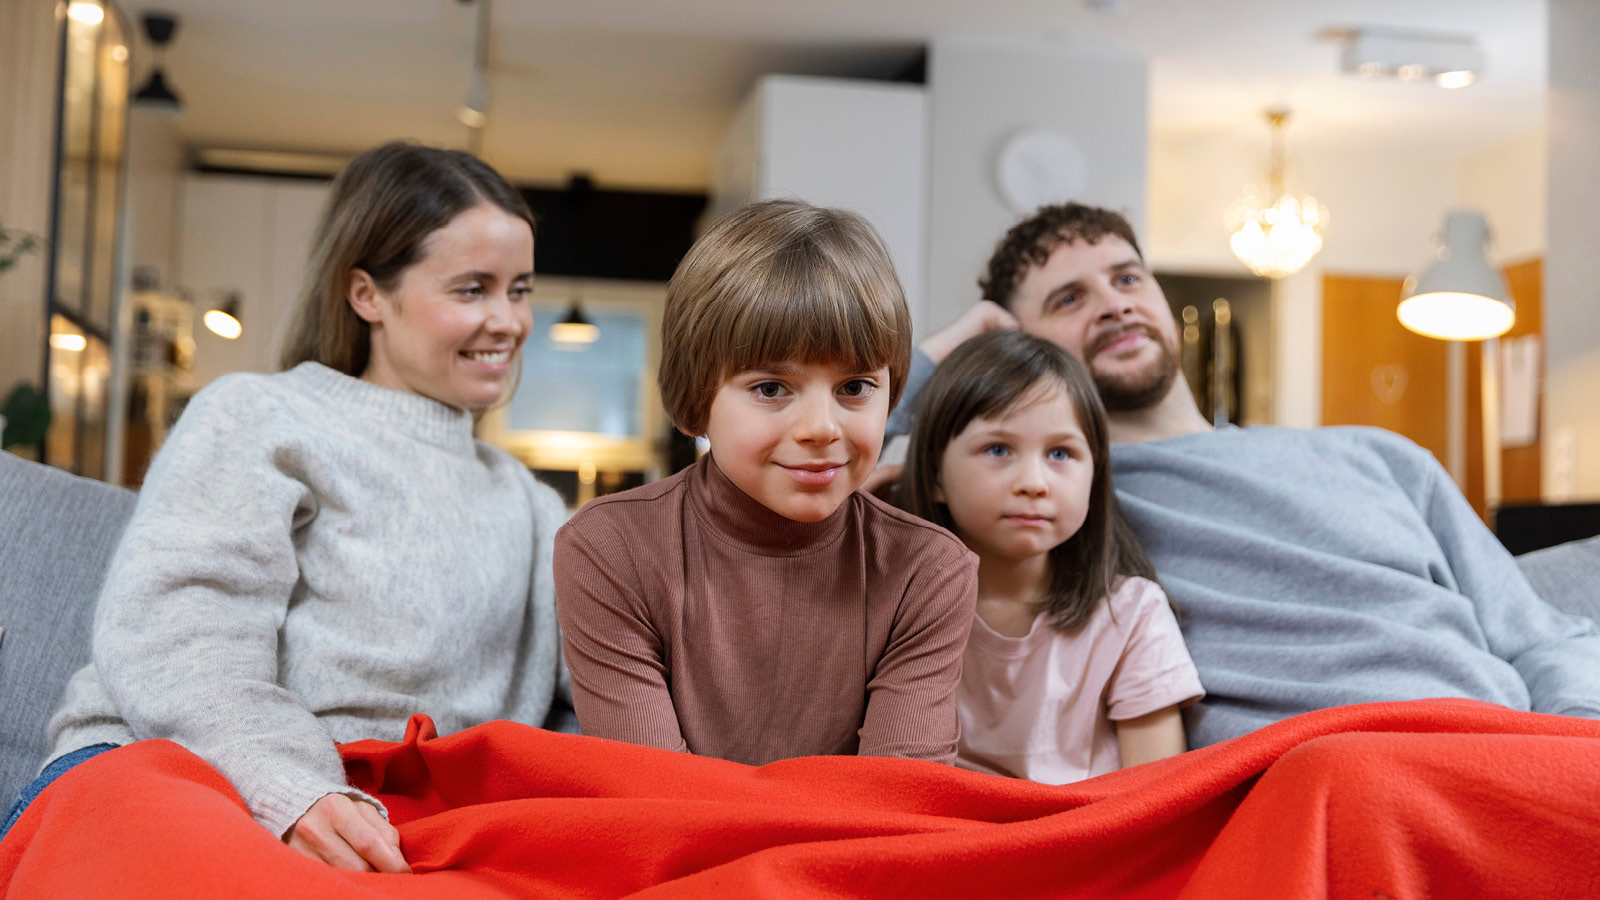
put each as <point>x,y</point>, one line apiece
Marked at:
<point>1389,383</point>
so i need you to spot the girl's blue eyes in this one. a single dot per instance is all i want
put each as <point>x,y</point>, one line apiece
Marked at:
<point>1058,454</point>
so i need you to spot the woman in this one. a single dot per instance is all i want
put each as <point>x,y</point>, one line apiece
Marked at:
<point>319,554</point>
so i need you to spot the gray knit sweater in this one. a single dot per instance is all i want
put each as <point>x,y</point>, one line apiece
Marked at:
<point>314,559</point>
<point>1314,568</point>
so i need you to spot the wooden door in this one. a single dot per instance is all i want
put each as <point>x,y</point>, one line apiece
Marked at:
<point>1375,371</point>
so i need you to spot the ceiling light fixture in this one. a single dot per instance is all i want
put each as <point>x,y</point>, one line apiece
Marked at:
<point>1449,60</point>
<point>1459,296</point>
<point>1275,234</point>
<point>156,94</point>
<point>86,12</point>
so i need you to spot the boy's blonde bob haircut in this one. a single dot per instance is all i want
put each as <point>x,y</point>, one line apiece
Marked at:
<point>779,281</point>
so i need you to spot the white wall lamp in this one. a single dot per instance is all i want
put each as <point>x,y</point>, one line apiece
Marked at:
<point>223,319</point>
<point>1459,296</point>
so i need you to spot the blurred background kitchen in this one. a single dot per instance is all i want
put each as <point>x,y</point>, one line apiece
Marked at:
<point>161,167</point>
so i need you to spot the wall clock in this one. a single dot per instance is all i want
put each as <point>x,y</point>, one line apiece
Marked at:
<point>1039,165</point>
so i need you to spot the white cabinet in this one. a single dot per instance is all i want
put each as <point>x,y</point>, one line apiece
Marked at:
<point>859,145</point>
<point>248,235</point>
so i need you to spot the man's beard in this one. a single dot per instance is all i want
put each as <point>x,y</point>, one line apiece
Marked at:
<point>1137,390</point>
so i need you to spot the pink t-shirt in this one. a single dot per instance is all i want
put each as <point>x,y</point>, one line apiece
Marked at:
<point>1041,706</point>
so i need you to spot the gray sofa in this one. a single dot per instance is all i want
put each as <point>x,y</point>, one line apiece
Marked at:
<point>57,533</point>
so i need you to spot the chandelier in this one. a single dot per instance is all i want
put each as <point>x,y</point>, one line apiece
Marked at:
<point>1277,233</point>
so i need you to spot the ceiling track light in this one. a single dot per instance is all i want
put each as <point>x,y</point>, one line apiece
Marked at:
<point>156,94</point>
<point>1448,60</point>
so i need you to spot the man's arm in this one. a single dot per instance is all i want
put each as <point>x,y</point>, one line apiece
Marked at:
<point>985,315</point>
<point>1557,655</point>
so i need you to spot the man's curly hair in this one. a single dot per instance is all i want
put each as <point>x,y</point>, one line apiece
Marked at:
<point>1030,242</point>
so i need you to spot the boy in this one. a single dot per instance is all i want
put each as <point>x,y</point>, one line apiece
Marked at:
<point>755,606</point>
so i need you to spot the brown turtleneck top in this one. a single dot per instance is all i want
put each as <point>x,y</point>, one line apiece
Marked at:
<point>694,618</point>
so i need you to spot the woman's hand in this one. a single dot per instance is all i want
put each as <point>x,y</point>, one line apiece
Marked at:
<point>348,834</point>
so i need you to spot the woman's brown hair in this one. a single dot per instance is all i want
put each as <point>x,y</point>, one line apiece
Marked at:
<point>982,379</point>
<point>382,208</point>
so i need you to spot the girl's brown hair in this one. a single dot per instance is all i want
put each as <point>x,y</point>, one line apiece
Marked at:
<point>982,379</point>
<point>382,208</point>
<point>776,281</point>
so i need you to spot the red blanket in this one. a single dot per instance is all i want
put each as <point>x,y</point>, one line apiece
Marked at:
<point>1406,800</point>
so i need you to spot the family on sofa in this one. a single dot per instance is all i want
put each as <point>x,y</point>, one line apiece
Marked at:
<point>1078,575</point>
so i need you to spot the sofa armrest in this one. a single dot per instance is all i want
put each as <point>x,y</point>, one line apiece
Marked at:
<point>1567,576</point>
<point>57,533</point>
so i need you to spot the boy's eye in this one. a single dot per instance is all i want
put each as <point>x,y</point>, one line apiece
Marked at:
<point>521,292</point>
<point>768,390</point>
<point>857,387</point>
<point>1127,279</point>
<point>470,290</point>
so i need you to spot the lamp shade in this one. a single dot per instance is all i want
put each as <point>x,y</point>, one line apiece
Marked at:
<point>575,328</point>
<point>158,95</point>
<point>223,319</point>
<point>1459,296</point>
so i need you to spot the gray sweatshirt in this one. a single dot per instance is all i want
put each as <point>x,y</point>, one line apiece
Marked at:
<point>313,559</point>
<point>1314,568</point>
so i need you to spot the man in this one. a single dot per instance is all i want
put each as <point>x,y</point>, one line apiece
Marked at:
<point>1311,567</point>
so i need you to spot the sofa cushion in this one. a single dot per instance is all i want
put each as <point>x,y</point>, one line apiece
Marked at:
<point>57,533</point>
<point>1567,575</point>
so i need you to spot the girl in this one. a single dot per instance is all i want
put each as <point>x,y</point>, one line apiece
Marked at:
<point>1075,665</point>
<point>319,554</point>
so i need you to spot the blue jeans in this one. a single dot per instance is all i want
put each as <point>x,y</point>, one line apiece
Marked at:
<point>51,773</point>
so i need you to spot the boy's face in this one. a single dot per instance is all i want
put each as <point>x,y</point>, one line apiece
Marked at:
<point>799,437</point>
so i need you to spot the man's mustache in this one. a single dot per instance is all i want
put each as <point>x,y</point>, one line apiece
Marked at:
<point>1106,337</point>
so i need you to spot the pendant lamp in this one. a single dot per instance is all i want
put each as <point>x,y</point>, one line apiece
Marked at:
<point>575,328</point>
<point>156,94</point>
<point>1459,296</point>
